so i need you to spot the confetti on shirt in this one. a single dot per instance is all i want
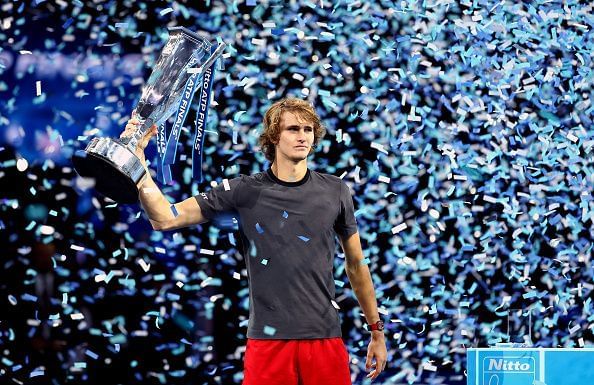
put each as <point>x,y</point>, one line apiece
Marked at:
<point>269,330</point>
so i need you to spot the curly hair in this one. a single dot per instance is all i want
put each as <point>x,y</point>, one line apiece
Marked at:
<point>271,133</point>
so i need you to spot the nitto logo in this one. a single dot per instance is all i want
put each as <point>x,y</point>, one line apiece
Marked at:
<point>506,366</point>
<point>507,369</point>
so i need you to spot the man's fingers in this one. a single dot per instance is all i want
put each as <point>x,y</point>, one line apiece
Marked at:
<point>373,375</point>
<point>129,129</point>
<point>126,133</point>
<point>377,369</point>
<point>132,127</point>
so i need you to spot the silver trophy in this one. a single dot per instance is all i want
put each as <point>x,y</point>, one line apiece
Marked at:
<point>112,162</point>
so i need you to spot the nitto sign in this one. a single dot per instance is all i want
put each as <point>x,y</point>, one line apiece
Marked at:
<point>530,366</point>
<point>514,370</point>
<point>499,364</point>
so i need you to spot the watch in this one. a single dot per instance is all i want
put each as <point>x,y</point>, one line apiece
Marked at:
<point>379,325</point>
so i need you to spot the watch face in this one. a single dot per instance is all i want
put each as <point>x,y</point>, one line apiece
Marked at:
<point>380,325</point>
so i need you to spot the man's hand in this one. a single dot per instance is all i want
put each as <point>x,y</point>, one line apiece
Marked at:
<point>131,127</point>
<point>376,351</point>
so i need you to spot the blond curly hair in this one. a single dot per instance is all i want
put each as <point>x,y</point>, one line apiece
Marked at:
<point>271,133</point>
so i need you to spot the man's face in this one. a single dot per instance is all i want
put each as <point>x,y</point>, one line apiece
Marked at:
<point>296,137</point>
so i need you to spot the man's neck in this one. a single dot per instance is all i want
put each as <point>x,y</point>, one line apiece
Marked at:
<point>288,171</point>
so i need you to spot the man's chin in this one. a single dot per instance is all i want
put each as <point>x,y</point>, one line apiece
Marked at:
<point>298,158</point>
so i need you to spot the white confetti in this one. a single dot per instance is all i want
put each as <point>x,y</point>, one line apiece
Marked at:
<point>399,228</point>
<point>100,277</point>
<point>145,266</point>
<point>195,70</point>
<point>77,316</point>
<point>379,147</point>
<point>166,11</point>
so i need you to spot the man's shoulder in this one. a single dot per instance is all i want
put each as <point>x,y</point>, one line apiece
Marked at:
<point>253,179</point>
<point>326,178</point>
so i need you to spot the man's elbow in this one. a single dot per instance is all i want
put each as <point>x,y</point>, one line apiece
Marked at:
<point>352,268</point>
<point>159,226</point>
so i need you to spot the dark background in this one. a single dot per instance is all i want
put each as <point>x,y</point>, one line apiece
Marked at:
<point>484,170</point>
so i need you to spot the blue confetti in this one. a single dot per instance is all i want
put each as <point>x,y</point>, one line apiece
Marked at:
<point>259,229</point>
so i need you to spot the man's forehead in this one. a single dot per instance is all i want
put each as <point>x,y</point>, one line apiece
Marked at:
<point>289,118</point>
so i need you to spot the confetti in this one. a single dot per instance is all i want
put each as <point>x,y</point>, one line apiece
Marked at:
<point>165,11</point>
<point>259,228</point>
<point>37,373</point>
<point>145,266</point>
<point>465,141</point>
<point>399,228</point>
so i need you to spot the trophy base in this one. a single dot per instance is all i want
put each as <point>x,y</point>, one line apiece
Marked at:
<point>117,171</point>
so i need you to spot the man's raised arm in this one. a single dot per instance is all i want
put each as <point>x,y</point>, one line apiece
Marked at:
<point>162,214</point>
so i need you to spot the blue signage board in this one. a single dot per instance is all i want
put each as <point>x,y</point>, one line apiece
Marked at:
<point>530,366</point>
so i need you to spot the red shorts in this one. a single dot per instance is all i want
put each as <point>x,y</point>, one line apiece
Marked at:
<point>323,361</point>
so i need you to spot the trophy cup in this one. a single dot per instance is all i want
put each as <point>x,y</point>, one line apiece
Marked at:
<point>117,170</point>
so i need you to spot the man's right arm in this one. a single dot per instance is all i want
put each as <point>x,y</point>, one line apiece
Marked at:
<point>164,215</point>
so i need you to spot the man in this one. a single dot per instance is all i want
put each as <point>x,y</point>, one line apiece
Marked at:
<point>288,217</point>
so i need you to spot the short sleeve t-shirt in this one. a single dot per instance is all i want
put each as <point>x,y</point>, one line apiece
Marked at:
<point>287,231</point>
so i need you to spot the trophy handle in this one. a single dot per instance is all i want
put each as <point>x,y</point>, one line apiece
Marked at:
<point>214,56</point>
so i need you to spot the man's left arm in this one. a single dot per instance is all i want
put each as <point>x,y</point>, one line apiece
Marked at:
<point>360,279</point>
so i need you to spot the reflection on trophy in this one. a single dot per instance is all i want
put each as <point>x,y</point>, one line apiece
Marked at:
<point>112,162</point>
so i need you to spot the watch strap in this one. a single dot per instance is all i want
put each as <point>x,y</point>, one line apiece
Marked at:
<point>379,325</point>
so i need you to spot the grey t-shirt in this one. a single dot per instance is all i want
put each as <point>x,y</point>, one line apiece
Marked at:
<point>287,236</point>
